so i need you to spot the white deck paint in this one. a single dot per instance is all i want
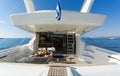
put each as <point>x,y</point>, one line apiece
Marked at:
<point>104,70</point>
<point>13,69</point>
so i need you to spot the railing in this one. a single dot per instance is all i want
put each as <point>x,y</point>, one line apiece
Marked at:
<point>3,56</point>
<point>114,58</point>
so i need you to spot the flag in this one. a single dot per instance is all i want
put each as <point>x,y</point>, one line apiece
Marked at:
<point>58,11</point>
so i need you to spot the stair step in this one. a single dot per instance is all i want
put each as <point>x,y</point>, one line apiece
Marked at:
<point>70,43</point>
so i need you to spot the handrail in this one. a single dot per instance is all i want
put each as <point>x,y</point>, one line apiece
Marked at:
<point>3,56</point>
<point>114,58</point>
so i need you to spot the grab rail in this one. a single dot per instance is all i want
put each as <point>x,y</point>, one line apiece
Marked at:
<point>114,58</point>
<point>3,56</point>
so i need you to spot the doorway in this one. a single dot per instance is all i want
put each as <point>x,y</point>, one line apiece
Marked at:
<point>58,41</point>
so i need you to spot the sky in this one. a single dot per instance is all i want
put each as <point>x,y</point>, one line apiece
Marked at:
<point>110,8</point>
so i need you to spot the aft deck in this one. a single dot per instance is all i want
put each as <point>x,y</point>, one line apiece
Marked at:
<point>67,59</point>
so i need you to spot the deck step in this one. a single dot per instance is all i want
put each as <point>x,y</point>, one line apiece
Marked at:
<point>57,71</point>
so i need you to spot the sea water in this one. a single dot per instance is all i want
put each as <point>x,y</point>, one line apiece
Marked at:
<point>107,43</point>
<point>6,43</point>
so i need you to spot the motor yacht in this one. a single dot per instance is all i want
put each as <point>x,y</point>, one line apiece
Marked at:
<point>56,48</point>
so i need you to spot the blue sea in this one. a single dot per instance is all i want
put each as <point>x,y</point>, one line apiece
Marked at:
<point>6,43</point>
<point>107,43</point>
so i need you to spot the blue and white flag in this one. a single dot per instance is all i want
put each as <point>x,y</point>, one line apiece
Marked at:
<point>58,11</point>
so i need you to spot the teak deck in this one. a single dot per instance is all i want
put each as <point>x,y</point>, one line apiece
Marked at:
<point>57,71</point>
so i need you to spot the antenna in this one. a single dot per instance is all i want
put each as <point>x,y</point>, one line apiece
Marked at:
<point>29,6</point>
<point>87,6</point>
